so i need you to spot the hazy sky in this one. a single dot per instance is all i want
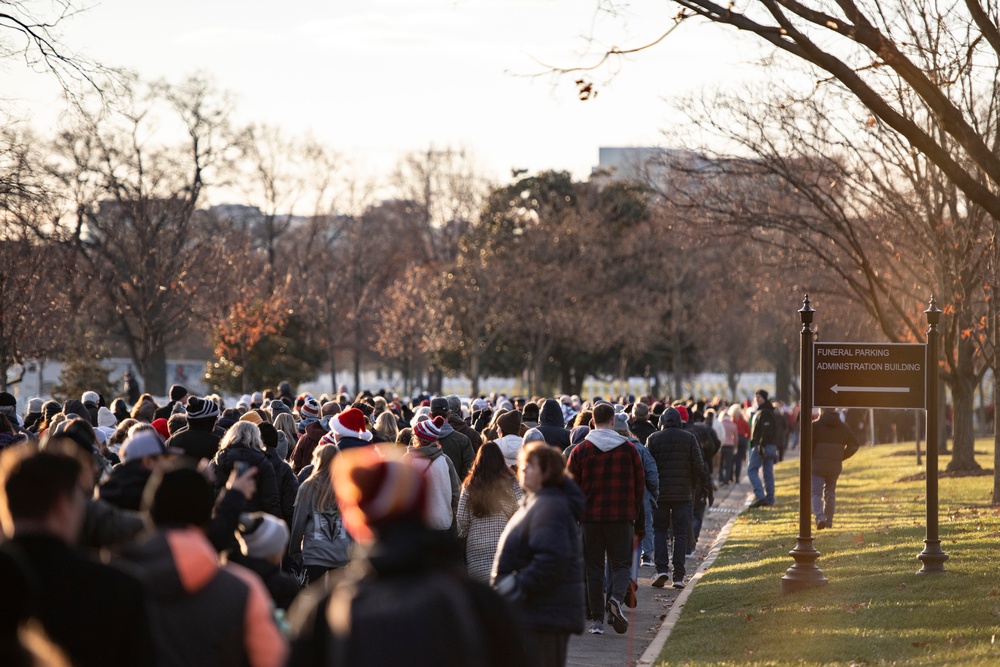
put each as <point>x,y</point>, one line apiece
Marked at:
<point>378,78</point>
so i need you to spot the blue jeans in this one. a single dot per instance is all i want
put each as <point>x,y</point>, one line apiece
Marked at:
<point>647,541</point>
<point>765,491</point>
<point>676,515</point>
<point>824,489</point>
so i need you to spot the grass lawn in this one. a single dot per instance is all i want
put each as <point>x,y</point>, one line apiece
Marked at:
<point>875,610</point>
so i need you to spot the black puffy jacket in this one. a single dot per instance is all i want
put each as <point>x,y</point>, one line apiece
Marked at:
<point>679,462</point>
<point>266,497</point>
<point>541,545</point>
<point>288,484</point>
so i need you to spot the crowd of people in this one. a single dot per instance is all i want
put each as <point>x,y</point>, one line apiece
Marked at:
<point>293,529</point>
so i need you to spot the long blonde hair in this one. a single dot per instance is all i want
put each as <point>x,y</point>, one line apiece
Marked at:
<point>324,500</point>
<point>242,434</point>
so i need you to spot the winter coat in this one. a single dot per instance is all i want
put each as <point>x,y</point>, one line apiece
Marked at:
<point>642,429</point>
<point>679,460</point>
<point>316,536</point>
<point>541,547</point>
<point>349,442</point>
<point>481,533</point>
<point>288,484</point>
<point>197,442</point>
<point>459,425</point>
<point>608,469</point>
<point>510,447</point>
<point>833,443</point>
<point>649,470</point>
<point>550,423</point>
<point>67,593</point>
<point>124,487</point>
<point>307,444</point>
<point>443,484</point>
<point>203,613</point>
<point>433,616</point>
<point>764,426</point>
<point>265,499</point>
<point>458,448</point>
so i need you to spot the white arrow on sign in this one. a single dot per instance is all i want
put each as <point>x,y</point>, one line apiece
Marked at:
<point>882,390</point>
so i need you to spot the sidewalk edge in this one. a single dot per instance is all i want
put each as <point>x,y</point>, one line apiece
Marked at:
<point>652,651</point>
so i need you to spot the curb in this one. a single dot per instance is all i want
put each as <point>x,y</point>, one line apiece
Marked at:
<point>652,651</point>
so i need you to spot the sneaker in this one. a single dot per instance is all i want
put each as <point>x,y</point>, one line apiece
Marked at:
<point>820,525</point>
<point>618,620</point>
<point>647,563</point>
<point>597,628</point>
<point>679,584</point>
<point>690,554</point>
<point>660,580</point>
<point>760,502</point>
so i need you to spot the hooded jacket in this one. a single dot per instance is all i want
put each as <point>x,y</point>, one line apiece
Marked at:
<point>833,443</point>
<point>287,483</point>
<point>307,444</point>
<point>610,476</point>
<point>459,425</point>
<point>443,485</point>
<point>550,423</point>
<point>458,448</point>
<point>679,461</point>
<point>541,547</point>
<point>510,447</point>
<point>205,614</point>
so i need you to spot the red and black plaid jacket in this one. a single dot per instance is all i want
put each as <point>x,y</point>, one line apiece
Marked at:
<point>612,481</point>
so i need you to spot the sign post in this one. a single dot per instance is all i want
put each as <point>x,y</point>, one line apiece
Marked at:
<point>932,556</point>
<point>864,375</point>
<point>804,573</point>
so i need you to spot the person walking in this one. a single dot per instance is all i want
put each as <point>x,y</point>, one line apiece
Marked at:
<point>833,443</point>
<point>489,497</point>
<point>682,471</point>
<point>318,542</point>
<point>609,471</point>
<point>538,564</point>
<point>763,450</point>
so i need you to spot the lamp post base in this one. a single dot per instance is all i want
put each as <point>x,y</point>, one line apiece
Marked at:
<point>804,573</point>
<point>933,558</point>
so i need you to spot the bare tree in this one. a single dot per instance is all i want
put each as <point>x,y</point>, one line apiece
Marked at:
<point>154,264</point>
<point>34,299</point>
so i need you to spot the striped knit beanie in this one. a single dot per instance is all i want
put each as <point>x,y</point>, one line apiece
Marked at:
<point>429,430</point>
<point>373,492</point>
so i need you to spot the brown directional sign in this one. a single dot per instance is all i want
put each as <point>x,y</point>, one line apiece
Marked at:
<point>869,375</point>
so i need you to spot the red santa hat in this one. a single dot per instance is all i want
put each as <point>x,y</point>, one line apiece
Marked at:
<point>351,423</point>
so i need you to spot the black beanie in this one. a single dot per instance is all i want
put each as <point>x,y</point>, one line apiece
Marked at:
<point>268,435</point>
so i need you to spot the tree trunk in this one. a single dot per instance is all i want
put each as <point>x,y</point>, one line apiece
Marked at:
<point>963,390</point>
<point>154,371</point>
<point>782,375</point>
<point>474,374</point>
<point>357,357</point>
<point>996,431</point>
<point>331,358</point>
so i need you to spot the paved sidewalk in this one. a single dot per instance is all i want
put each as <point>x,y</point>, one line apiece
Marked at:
<point>614,650</point>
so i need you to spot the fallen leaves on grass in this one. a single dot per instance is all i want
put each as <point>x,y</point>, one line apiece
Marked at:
<point>859,538</point>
